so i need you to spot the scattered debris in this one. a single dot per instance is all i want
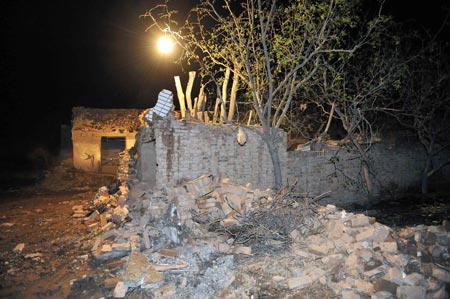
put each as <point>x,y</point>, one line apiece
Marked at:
<point>185,241</point>
<point>19,248</point>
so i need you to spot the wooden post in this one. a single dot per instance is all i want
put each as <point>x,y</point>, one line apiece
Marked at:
<point>216,112</point>
<point>234,88</point>
<point>180,95</point>
<point>188,92</point>
<point>250,118</point>
<point>200,104</point>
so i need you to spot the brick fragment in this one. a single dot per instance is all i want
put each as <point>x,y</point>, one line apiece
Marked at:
<point>411,292</point>
<point>360,221</point>
<point>299,282</point>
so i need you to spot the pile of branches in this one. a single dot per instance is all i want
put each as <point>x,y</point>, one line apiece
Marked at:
<point>270,228</point>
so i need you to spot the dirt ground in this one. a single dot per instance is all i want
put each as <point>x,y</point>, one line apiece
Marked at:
<point>54,261</point>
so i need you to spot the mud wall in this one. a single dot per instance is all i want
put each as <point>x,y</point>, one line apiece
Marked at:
<point>188,150</point>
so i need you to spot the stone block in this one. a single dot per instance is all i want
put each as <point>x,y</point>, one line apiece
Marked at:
<point>411,292</point>
<point>299,282</point>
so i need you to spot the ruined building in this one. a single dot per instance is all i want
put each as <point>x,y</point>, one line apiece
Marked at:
<point>99,135</point>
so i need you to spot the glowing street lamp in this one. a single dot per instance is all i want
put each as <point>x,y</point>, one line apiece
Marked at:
<point>165,44</point>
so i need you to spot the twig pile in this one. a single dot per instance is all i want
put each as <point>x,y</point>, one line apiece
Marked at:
<point>273,226</point>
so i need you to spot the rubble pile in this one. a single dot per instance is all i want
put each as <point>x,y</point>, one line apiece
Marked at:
<point>107,120</point>
<point>126,169</point>
<point>209,238</point>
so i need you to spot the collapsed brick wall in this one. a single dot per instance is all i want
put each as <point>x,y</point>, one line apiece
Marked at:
<point>188,150</point>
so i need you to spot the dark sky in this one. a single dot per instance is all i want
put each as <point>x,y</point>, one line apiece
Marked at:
<point>58,54</point>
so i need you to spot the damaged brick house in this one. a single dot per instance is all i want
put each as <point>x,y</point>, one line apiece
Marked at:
<point>170,150</point>
<point>99,135</point>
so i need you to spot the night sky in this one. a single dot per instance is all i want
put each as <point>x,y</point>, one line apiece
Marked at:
<point>55,55</point>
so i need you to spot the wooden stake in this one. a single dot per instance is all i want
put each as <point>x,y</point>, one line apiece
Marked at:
<point>180,95</point>
<point>188,92</point>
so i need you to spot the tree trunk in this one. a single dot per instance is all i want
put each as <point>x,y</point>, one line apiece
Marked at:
<point>273,151</point>
<point>425,176</point>
<point>367,180</point>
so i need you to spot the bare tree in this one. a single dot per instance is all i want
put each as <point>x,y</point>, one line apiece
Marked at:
<point>357,90</point>
<point>426,106</point>
<point>275,48</point>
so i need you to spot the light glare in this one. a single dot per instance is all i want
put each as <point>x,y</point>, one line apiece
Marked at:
<point>165,44</point>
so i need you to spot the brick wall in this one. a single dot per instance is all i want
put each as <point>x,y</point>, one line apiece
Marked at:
<point>396,167</point>
<point>186,150</point>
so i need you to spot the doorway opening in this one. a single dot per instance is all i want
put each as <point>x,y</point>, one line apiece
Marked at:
<point>111,147</point>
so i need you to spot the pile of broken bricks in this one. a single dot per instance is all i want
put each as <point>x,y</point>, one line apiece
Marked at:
<point>360,258</point>
<point>353,255</point>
